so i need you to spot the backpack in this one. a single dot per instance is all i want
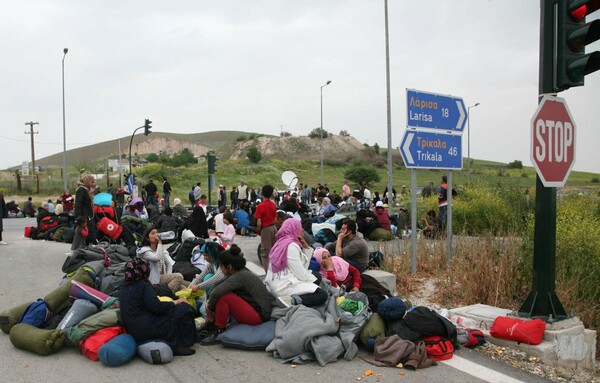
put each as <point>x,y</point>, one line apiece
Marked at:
<point>110,228</point>
<point>375,259</point>
<point>89,346</point>
<point>438,348</point>
<point>325,236</point>
<point>48,222</point>
<point>36,314</point>
<point>29,230</point>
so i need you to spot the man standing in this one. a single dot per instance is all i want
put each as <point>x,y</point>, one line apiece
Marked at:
<point>443,199</point>
<point>349,246</point>
<point>242,192</point>
<point>265,215</point>
<point>166,191</point>
<point>150,189</point>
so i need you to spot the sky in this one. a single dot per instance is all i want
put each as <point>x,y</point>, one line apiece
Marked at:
<point>258,66</point>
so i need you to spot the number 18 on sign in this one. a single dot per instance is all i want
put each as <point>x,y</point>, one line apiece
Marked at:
<point>553,141</point>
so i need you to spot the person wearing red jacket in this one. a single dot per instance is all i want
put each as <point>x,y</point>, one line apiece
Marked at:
<point>67,201</point>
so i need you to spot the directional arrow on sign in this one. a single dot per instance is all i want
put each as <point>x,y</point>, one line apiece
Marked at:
<point>431,150</point>
<point>435,111</point>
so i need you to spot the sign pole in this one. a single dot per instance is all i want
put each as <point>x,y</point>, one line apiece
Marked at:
<point>542,301</point>
<point>449,219</point>
<point>413,220</point>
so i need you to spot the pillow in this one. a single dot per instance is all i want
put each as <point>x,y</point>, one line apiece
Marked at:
<point>155,352</point>
<point>81,309</point>
<point>30,338</point>
<point>9,318</point>
<point>373,329</point>
<point>118,351</point>
<point>249,337</point>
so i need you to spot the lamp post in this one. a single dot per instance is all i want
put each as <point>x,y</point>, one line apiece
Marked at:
<point>321,129</point>
<point>469,139</point>
<point>64,126</point>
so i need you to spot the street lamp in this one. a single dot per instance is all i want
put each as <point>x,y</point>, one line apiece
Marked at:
<point>64,126</point>
<point>469,139</point>
<point>321,130</point>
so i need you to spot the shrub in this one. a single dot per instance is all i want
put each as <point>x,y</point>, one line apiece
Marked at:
<point>241,138</point>
<point>254,155</point>
<point>362,175</point>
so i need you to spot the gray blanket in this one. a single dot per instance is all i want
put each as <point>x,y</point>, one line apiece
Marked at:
<point>306,334</point>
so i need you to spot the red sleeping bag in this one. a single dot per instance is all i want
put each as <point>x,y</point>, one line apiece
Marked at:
<point>526,331</point>
<point>110,228</point>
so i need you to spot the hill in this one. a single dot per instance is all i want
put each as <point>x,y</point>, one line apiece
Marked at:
<point>231,145</point>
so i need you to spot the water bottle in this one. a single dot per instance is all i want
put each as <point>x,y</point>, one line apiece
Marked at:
<point>166,236</point>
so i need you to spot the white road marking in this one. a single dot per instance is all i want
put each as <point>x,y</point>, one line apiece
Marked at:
<point>478,371</point>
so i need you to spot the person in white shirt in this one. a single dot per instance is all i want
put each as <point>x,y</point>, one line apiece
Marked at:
<point>219,224</point>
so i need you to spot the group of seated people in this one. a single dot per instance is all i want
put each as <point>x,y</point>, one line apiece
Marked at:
<point>233,292</point>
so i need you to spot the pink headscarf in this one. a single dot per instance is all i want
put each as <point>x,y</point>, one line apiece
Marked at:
<point>340,266</point>
<point>286,235</point>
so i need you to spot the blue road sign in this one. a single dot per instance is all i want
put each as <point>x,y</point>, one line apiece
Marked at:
<point>435,111</point>
<point>431,150</point>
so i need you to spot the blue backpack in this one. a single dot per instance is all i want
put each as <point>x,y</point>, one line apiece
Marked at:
<point>37,314</point>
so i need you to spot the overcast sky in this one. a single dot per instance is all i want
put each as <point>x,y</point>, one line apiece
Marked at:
<point>258,66</point>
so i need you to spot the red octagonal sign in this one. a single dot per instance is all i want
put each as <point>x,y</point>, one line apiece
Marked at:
<point>553,141</point>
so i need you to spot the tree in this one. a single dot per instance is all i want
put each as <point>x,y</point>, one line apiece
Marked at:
<point>362,175</point>
<point>376,147</point>
<point>254,155</point>
<point>516,164</point>
<point>152,157</point>
<point>286,134</point>
<point>316,133</point>
<point>344,133</point>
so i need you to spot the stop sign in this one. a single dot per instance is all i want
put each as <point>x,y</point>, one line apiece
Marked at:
<point>553,141</point>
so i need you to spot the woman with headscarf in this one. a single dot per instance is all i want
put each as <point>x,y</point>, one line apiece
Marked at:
<point>212,274</point>
<point>337,270</point>
<point>146,318</point>
<point>288,277</point>
<point>196,223</point>
<point>84,197</point>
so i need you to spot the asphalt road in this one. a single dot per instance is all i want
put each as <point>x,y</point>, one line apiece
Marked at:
<point>29,269</point>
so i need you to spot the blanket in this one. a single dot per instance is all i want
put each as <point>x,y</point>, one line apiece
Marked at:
<point>307,334</point>
<point>100,252</point>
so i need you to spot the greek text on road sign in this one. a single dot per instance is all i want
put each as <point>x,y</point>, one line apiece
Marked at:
<point>553,141</point>
<point>431,150</point>
<point>435,111</point>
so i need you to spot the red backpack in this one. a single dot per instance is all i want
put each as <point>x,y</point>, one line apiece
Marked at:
<point>89,346</point>
<point>48,222</point>
<point>438,348</point>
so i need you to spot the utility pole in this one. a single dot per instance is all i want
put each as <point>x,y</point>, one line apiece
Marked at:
<point>31,123</point>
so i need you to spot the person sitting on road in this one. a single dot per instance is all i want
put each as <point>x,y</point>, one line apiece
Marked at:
<point>350,246</point>
<point>212,274</point>
<point>179,210</point>
<point>288,277</point>
<point>28,208</point>
<point>168,222</point>
<point>338,271</point>
<point>161,263</point>
<point>242,296</point>
<point>228,234</point>
<point>146,318</point>
<point>382,215</point>
<point>196,223</point>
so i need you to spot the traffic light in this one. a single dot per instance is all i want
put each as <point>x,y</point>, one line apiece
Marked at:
<point>212,163</point>
<point>573,34</point>
<point>147,127</point>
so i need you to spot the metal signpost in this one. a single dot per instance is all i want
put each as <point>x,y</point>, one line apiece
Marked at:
<point>433,140</point>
